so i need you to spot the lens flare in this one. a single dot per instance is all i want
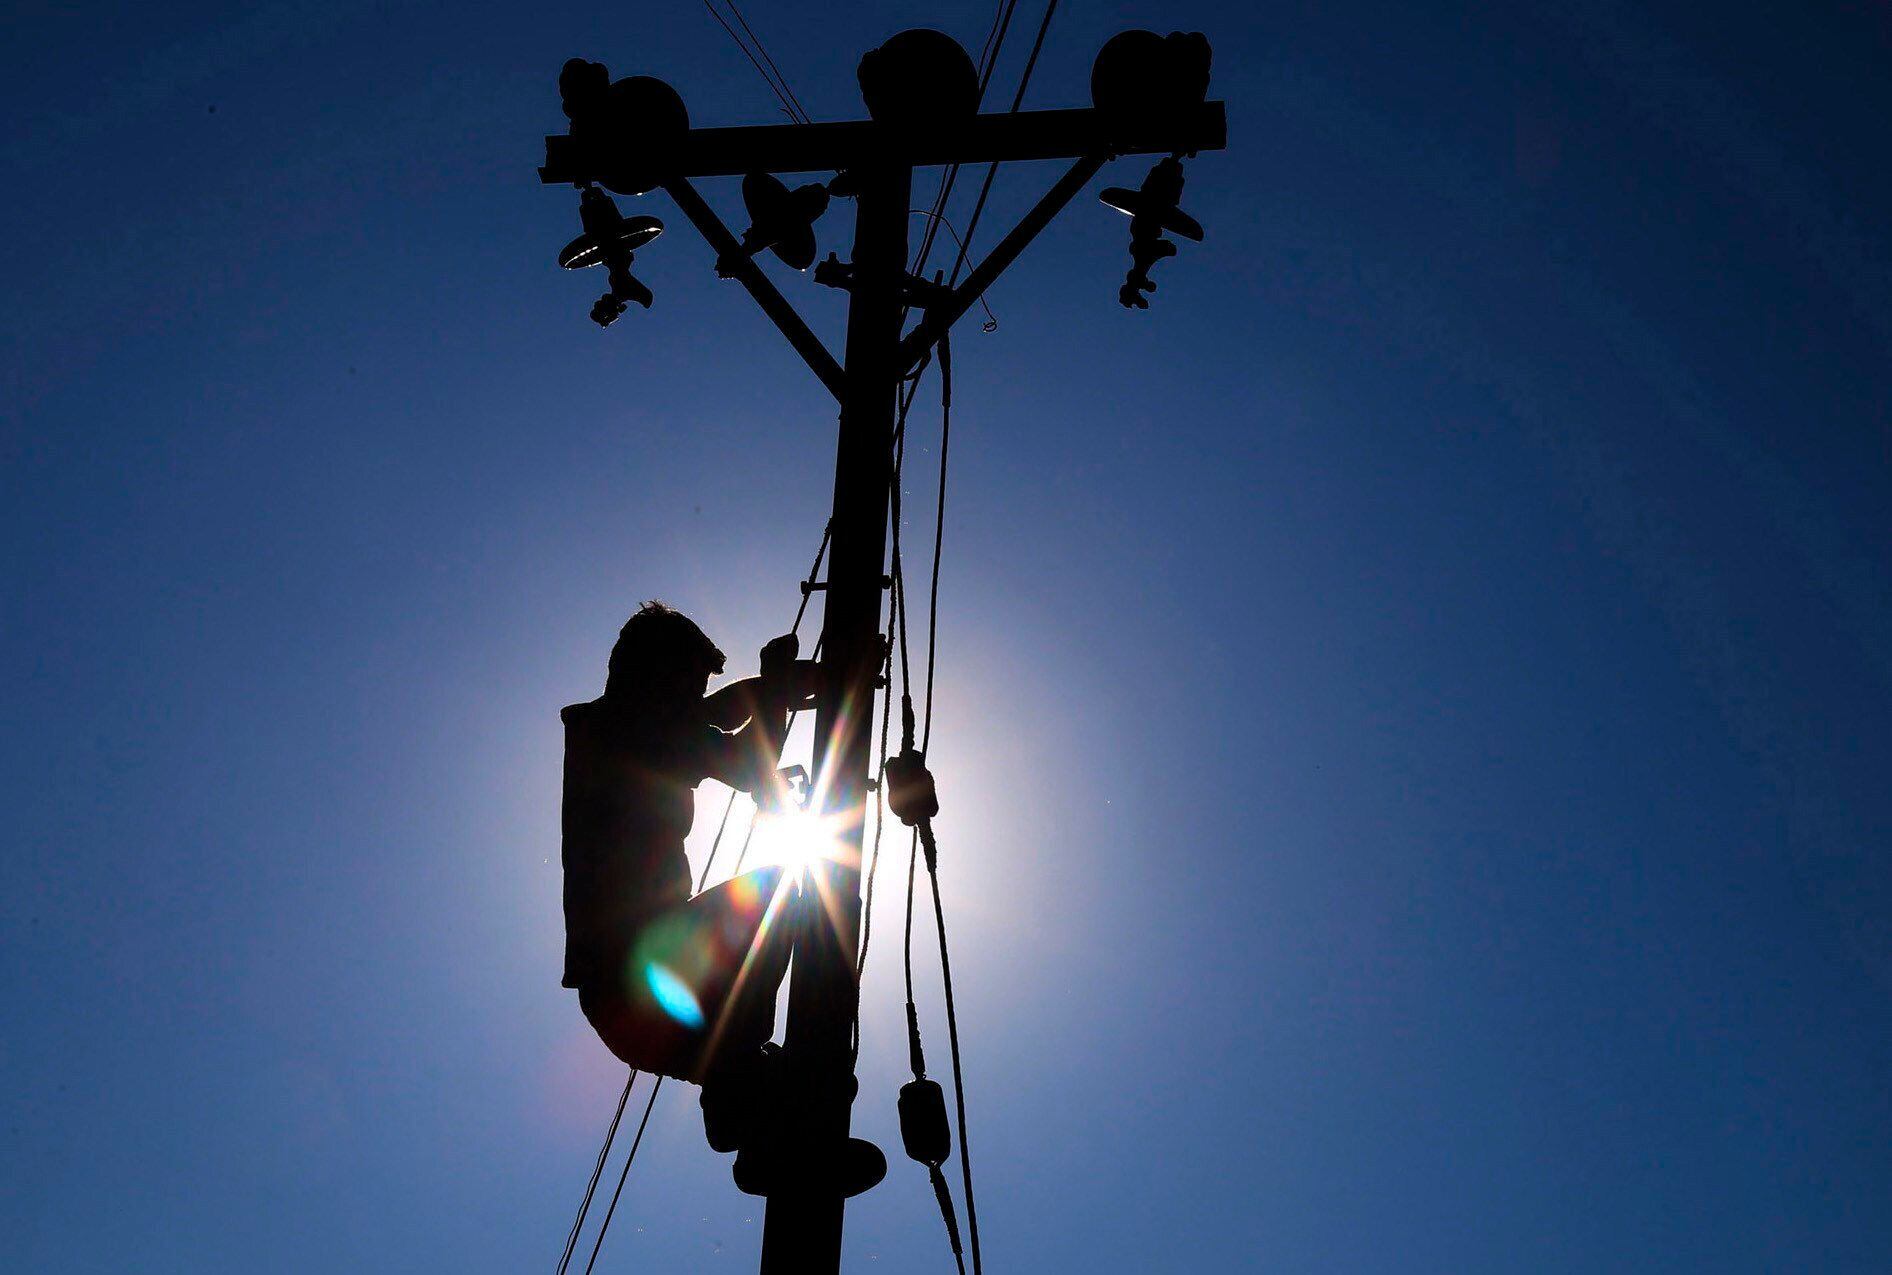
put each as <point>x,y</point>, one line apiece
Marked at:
<point>672,995</point>
<point>794,840</point>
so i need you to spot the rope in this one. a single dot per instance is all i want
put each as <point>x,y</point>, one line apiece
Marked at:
<point>597,1170</point>
<point>628,1160</point>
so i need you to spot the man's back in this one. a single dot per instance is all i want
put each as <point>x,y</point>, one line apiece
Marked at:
<point>628,804</point>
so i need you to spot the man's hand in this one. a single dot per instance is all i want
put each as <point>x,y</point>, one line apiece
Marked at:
<point>786,681</point>
<point>778,657</point>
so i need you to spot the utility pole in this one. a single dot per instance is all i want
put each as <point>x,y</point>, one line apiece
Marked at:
<point>633,136</point>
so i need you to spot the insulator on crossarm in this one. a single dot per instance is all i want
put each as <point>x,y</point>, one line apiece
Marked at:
<point>1152,209</point>
<point>610,240</point>
<point>780,220</point>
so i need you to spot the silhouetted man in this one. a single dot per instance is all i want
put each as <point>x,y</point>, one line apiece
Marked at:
<point>674,985</point>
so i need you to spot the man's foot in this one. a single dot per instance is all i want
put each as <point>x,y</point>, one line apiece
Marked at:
<point>737,1099</point>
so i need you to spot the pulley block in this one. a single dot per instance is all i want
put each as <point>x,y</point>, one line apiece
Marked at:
<point>923,1126</point>
<point>911,793</point>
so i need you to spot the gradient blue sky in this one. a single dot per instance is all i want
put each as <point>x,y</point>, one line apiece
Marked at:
<point>1410,703</point>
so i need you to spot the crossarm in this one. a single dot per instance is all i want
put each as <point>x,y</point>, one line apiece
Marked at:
<point>773,303</point>
<point>1004,137</point>
<point>940,317</point>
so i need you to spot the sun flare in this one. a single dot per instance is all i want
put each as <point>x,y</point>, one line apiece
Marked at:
<point>794,840</point>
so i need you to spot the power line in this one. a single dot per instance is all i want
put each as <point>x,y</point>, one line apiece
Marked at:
<point>922,831</point>
<point>991,323</point>
<point>989,60</point>
<point>880,821</point>
<point>932,864</point>
<point>763,50</point>
<point>985,188</point>
<point>790,106</point>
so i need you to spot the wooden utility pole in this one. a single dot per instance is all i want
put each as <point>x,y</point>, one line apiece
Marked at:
<point>804,1233</point>
<point>623,142</point>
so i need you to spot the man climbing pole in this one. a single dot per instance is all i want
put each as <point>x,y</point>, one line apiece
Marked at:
<point>674,985</point>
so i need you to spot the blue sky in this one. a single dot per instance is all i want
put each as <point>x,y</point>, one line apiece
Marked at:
<point>1413,708</point>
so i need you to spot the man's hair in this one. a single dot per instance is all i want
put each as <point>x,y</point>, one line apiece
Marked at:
<point>659,637</point>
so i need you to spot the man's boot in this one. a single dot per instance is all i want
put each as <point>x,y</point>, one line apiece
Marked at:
<point>738,1096</point>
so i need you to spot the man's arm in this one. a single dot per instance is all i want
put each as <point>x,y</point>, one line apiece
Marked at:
<point>747,759</point>
<point>728,707</point>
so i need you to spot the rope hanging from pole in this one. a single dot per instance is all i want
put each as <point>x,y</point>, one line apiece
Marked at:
<point>912,796</point>
<point>597,1171</point>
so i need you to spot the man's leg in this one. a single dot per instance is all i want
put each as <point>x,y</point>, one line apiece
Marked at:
<point>743,925</point>
<point>746,924</point>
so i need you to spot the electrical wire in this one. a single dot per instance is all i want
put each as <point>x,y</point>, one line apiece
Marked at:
<point>985,188</point>
<point>991,323</point>
<point>799,111</point>
<point>939,529</point>
<point>880,823</point>
<point>932,866</point>
<point>771,74</point>
<point>923,832</point>
<point>988,62</point>
<point>783,94</point>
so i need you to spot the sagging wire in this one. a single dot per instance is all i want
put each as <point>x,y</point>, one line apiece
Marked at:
<point>991,323</point>
<point>636,1142</point>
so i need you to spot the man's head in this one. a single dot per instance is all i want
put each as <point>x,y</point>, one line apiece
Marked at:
<point>661,652</point>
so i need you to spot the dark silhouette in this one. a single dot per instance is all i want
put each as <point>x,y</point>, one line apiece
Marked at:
<point>657,971</point>
<point>610,240</point>
<point>1152,208</point>
<point>1142,80</point>
<point>781,220</point>
<point>788,1111</point>
<point>676,985</point>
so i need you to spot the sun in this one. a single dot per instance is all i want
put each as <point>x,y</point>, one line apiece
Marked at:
<point>795,840</point>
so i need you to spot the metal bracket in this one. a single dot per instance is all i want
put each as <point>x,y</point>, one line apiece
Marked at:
<point>940,318</point>
<point>750,275</point>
